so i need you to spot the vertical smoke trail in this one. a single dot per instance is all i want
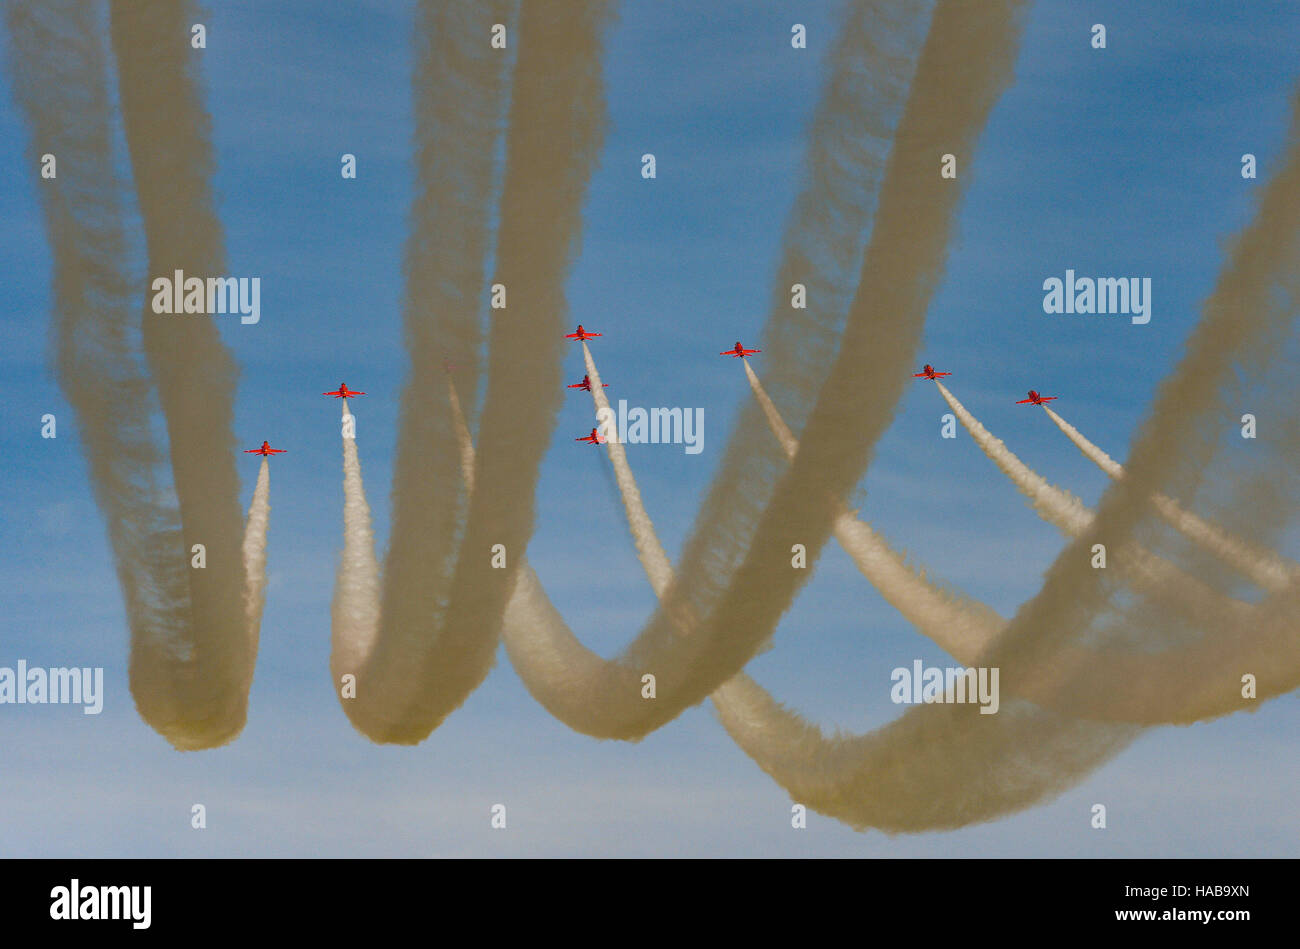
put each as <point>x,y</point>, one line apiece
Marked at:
<point>459,94</point>
<point>463,440</point>
<point>254,553</point>
<point>556,123</point>
<point>658,568</point>
<point>59,75</point>
<point>356,606</point>
<point>960,626</point>
<point>191,660</point>
<point>196,695</point>
<point>1271,571</point>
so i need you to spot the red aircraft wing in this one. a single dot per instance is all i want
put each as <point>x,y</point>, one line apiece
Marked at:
<point>929,373</point>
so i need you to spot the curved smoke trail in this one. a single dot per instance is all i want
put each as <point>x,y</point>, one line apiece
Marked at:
<point>844,774</point>
<point>964,628</point>
<point>201,695</point>
<point>439,626</point>
<point>459,94</point>
<point>901,777</point>
<point>735,569</point>
<point>191,656</point>
<point>881,792</point>
<point>889,779</point>
<point>1269,570</point>
<point>1250,314</point>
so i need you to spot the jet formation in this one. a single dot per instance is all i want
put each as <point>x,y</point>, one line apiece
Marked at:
<point>581,335</point>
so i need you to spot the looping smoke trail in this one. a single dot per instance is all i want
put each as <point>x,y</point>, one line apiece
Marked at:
<point>459,95</point>
<point>900,780</point>
<point>439,627</point>
<point>859,780</point>
<point>254,553</point>
<point>964,628</point>
<point>719,577</point>
<point>848,777</point>
<point>1249,315</point>
<point>1271,571</point>
<point>889,779</point>
<point>191,655</point>
<point>355,609</point>
<point>168,138</point>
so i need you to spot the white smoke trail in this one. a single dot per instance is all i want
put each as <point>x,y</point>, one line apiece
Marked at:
<point>1056,506</point>
<point>1066,512</point>
<point>1265,568</point>
<point>254,551</point>
<point>463,440</point>
<point>658,568</point>
<point>355,611</point>
<point>958,625</point>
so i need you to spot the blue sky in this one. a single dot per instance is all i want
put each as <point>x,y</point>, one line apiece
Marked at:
<point>1116,162</point>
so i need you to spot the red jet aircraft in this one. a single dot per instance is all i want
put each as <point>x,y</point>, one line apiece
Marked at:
<point>1036,399</point>
<point>594,438</point>
<point>343,392</point>
<point>927,371</point>
<point>739,351</point>
<point>582,335</point>
<point>586,384</point>
<point>265,450</point>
